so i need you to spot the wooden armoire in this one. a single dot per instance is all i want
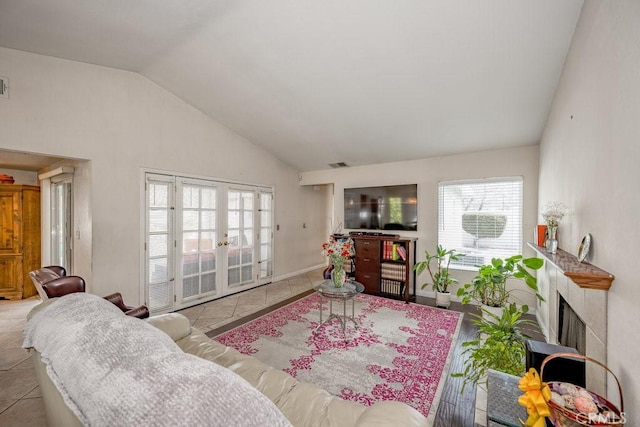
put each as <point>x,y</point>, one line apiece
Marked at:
<point>19,239</point>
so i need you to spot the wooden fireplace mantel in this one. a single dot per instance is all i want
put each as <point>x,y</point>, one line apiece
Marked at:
<point>583,274</point>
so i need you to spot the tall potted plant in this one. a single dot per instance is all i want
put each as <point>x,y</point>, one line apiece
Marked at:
<point>439,273</point>
<point>499,344</point>
<point>489,287</point>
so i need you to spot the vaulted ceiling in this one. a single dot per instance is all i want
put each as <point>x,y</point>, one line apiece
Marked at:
<point>354,81</point>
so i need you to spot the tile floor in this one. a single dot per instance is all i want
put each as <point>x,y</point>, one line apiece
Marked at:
<point>20,397</point>
<point>217,313</point>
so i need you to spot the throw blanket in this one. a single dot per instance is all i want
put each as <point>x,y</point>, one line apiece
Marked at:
<point>115,370</point>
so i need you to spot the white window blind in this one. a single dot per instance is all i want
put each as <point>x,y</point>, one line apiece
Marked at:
<point>481,219</point>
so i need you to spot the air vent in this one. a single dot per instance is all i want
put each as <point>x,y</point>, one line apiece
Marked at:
<point>4,87</point>
<point>339,165</point>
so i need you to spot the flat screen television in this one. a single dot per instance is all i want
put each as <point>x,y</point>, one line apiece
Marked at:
<point>392,207</point>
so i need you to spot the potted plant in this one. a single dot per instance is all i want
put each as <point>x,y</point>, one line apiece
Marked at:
<point>439,273</point>
<point>499,345</point>
<point>489,287</point>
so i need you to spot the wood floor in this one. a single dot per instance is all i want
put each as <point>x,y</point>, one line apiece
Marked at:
<point>456,408</point>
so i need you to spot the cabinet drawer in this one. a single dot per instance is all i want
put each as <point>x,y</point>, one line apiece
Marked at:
<point>368,248</point>
<point>365,263</point>
<point>370,281</point>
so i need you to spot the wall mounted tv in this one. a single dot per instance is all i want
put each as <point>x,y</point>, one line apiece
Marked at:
<point>393,207</point>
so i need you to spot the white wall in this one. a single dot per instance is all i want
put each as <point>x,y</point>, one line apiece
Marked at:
<point>121,122</point>
<point>427,173</point>
<point>589,158</point>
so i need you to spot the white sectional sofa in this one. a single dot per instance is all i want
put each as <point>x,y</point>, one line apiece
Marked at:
<point>97,366</point>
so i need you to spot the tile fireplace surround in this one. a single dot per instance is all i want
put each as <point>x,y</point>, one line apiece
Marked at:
<point>585,288</point>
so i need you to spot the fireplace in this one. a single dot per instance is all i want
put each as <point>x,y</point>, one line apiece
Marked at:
<point>571,329</point>
<point>580,292</point>
<point>578,319</point>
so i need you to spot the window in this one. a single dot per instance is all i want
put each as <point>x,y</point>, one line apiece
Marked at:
<point>481,219</point>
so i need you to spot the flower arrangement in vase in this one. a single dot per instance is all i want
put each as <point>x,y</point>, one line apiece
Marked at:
<point>553,213</point>
<point>338,251</point>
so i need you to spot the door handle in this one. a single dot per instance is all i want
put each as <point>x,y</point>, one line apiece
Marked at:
<point>219,244</point>
<point>225,243</point>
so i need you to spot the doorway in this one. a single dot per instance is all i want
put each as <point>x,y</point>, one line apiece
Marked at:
<point>62,221</point>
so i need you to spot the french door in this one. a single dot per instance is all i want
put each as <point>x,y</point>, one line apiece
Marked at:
<point>61,222</point>
<point>204,239</point>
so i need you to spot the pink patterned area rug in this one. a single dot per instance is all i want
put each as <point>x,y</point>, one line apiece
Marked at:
<point>399,351</point>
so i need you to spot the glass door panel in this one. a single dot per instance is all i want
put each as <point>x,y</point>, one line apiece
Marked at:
<point>239,240</point>
<point>199,236</point>
<point>61,222</point>
<point>266,236</point>
<point>158,244</point>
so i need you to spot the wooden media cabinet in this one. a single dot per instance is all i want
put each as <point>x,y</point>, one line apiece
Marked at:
<point>384,265</point>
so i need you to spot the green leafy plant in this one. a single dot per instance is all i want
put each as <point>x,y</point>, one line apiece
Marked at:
<point>489,287</point>
<point>500,345</point>
<point>439,273</point>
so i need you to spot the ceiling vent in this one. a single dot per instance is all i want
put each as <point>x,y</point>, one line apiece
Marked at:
<point>4,87</point>
<point>339,165</point>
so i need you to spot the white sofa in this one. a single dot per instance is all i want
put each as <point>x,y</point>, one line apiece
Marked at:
<point>300,404</point>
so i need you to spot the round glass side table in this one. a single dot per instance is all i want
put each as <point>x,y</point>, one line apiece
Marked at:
<point>345,293</point>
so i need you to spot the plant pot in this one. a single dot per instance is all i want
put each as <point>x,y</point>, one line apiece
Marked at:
<point>443,299</point>
<point>493,310</point>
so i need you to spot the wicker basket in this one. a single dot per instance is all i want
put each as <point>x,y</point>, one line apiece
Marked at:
<point>606,415</point>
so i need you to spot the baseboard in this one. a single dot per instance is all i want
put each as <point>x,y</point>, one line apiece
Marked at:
<point>298,272</point>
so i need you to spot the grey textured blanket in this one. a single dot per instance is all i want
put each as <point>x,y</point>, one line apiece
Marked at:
<point>115,370</point>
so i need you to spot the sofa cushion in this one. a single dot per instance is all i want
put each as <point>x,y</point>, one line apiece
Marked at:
<point>114,370</point>
<point>175,325</point>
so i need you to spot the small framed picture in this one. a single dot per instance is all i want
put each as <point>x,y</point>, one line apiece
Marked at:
<point>585,246</point>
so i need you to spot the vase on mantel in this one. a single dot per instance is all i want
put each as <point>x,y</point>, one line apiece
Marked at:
<point>552,241</point>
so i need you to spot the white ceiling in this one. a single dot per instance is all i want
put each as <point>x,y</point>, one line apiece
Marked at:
<point>360,81</point>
